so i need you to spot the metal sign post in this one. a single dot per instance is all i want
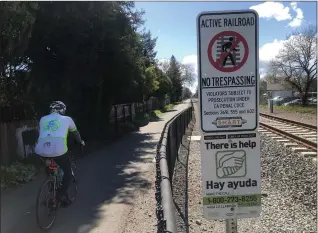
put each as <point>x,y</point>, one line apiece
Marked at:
<point>228,81</point>
<point>231,225</point>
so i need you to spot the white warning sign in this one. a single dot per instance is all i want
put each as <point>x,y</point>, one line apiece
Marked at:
<point>228,71</point>
<point>231,175</point>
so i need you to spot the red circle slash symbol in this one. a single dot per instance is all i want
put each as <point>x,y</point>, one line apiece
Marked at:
<point>228,51</point>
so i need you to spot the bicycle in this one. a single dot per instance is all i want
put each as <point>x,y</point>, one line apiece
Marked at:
<point>53,183</point>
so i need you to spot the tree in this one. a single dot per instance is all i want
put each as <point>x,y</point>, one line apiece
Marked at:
<point>174,74</point>
<point>186,93</point>
<point>91,55</point>
<point>186,71</point>
<point>16,24</point>
<point>164,65</point>
<point>187,74</point>
<point>179,74</point>
<point>149,45</point>
<point>262,89</point>
<point>297,61</point>
<point>165,85</point>
<point>272,78</point>
<point>151,83</point>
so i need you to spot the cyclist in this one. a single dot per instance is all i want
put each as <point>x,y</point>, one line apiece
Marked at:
<point>52,143</point>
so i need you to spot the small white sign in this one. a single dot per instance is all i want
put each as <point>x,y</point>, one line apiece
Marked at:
<point>231,175</point>
<point>228,71</point>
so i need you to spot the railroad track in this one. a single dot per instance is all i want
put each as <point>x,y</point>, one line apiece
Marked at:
<point>300,137</point>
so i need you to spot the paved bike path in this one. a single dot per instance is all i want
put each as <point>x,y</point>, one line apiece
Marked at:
<point>108,183</point>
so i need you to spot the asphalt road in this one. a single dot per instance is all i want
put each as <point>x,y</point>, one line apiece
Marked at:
<point>108,182</point>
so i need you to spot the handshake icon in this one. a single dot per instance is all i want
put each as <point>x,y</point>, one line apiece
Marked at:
<point>230,164</point>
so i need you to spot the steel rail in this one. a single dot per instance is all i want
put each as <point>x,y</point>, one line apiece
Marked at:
<point>305,142</point>
<point>300,124</point>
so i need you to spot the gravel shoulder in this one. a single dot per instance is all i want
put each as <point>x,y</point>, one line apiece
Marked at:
<point>288,180</point>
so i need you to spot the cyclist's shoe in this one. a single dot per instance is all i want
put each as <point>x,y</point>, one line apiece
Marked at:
<point>64,200</point>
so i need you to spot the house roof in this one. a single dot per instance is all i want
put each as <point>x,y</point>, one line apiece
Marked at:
<point>278,87</point>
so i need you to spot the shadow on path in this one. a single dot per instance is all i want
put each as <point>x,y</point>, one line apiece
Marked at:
<point>108,177</point>
<point>172,110</point>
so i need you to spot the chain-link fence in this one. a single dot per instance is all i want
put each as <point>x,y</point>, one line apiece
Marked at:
<point>167,154</point>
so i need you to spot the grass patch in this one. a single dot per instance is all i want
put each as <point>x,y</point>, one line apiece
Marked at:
<point>156,113</point>
<point>21,171</point>
<point>263,106</point>
<point>298,109</point>
<point>168,107</point>
<point>179,102</point>
<point>143,119</point>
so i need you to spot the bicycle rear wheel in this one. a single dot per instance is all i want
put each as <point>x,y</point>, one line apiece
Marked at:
<point>72,189</point>
<point>74,168</point>
<point>49,203</point>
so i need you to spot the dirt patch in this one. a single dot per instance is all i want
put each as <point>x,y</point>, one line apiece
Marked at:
<point>295,116</point>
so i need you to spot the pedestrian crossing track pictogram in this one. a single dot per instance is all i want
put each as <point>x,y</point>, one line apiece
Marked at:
<point>228,51</point>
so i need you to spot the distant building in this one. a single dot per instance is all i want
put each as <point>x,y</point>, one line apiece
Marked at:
<point>277,89</point>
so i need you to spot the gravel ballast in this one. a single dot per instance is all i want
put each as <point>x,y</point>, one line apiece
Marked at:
<point>289,181</point>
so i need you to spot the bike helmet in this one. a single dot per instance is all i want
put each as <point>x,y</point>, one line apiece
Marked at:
<point>58,106</point>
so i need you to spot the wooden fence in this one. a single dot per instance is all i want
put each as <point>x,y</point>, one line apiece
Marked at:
<point>18,137</point>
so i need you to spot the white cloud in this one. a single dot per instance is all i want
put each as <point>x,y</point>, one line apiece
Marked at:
<point>296,22</point>
<point>278,11</point>
<point>269,50</point>
<point>270,10</point>
<point>266,53</point>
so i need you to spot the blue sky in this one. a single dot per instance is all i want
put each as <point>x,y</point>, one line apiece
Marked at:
<point>174,23</point>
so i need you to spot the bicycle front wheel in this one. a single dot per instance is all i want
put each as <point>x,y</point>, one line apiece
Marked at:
<point>48,204</point>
